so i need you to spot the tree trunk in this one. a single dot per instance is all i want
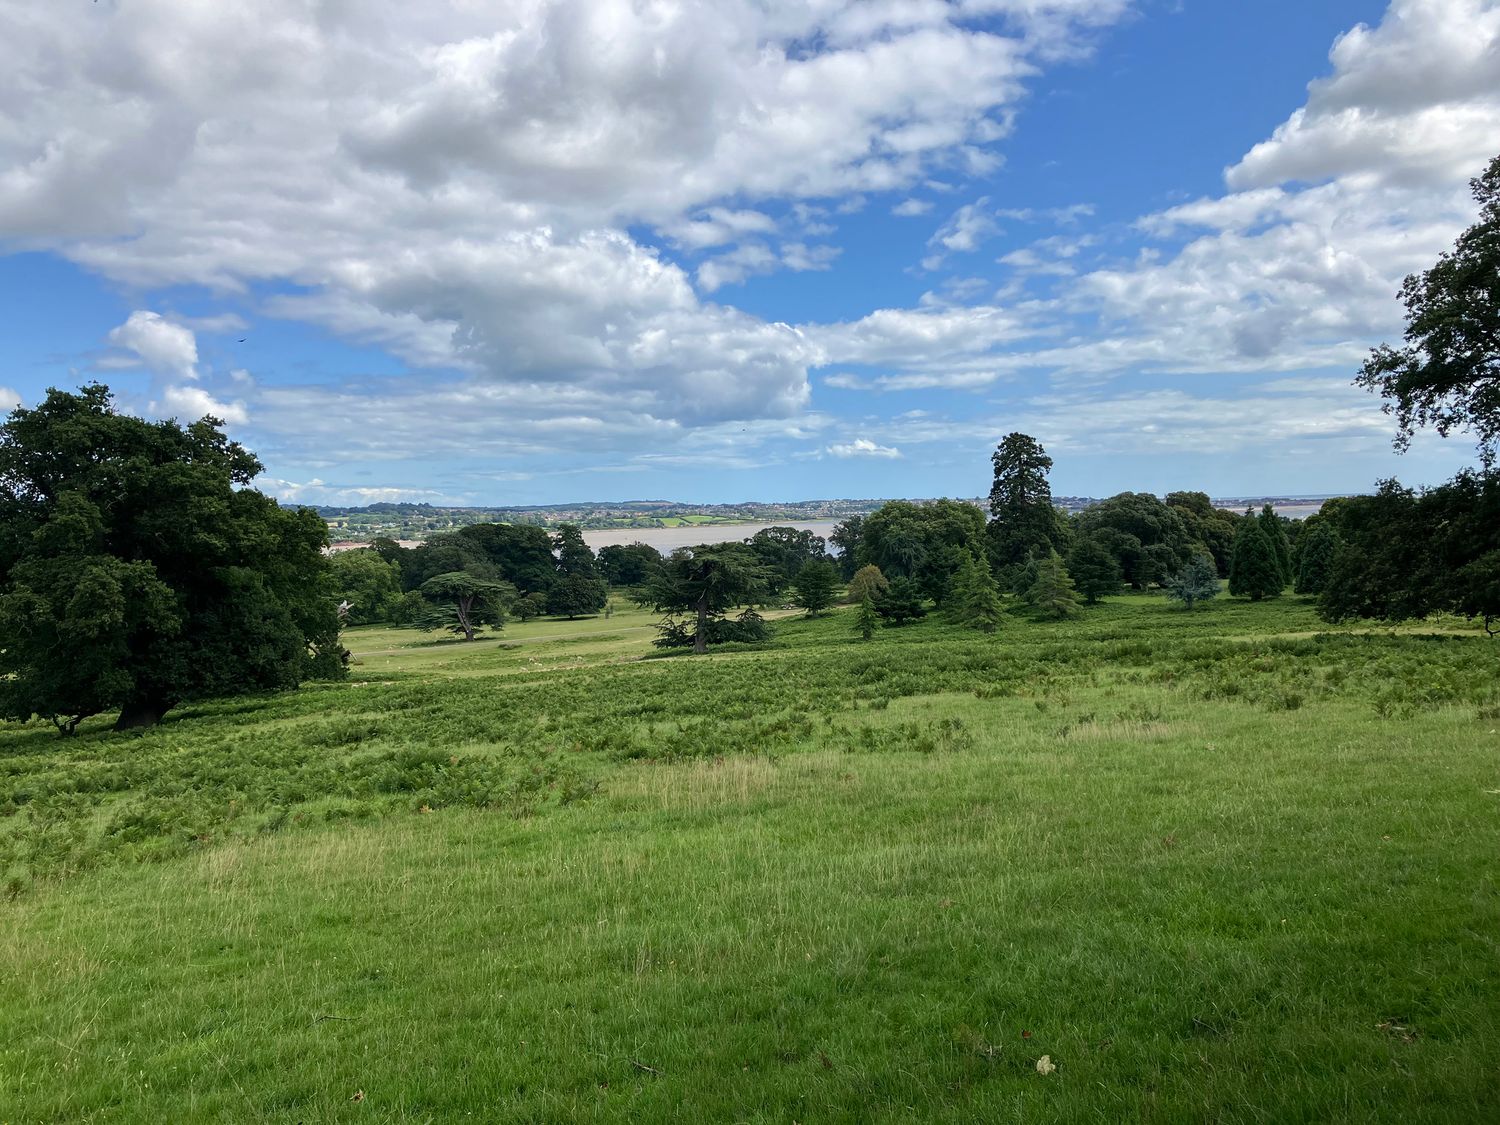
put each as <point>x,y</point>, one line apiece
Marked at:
<point>141,713</point>
<point>463,608</point>
<point>700,640</point>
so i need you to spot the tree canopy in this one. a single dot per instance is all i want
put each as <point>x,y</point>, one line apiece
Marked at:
<point>139,571</point>
<point>705,581</point>
<point>1447,375</point>
<point>1023,522</point>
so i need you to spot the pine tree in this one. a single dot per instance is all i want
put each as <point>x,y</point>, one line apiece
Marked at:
<point>1053,591</point>
<point>815,585</point>
<point>1196,582</point>
<point>1275,531</point>
<point>1315,554</point>
<point>975,599</point>
<point>903,602</point>
<point>865,619</point>
<point>1254,570</point>
<point>1094,570</point>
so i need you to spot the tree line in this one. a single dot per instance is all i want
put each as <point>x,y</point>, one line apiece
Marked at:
<point>140,571</point>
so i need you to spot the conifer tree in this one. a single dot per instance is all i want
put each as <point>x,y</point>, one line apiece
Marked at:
<point>1254,570</point>
<point>1271,524</point>
<point>1315,554</point>
<point>865,619</point>
<point>815,585</point>
<point>1094,569</point>
<point>1196,582</point>
<point>1053,592</point>
<point>976,595</point>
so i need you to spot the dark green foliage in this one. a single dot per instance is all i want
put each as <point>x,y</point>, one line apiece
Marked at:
<point>815,586</point>
<point>137,570</point>
<point>846,537</point>
<point>464,602</point>
<point>865,618</point>
<point>1254,570</point>
<point>867,582</point>
<point>1448,374</point>
<point>1148,539</point>
<point>1211,528</point>
<point>1023,522</point>
<point>1275,528</point>
<point>748,627</point>
<point>783,552</point>
<point>975,599</point>
<point>530,606</point>
<point>521,554</point>
<point>901,602</point>
<point>580,588</point>
<point>630,564</point>
<point>705,581</point>
<point>1095,572</point>
<point>924,542</point>
<point>370,584</point>
<point>1407,555</point>
<point>1053,594</point>
<point>1197,582</point>
<point>447,552</point>
<point>1316,548</point>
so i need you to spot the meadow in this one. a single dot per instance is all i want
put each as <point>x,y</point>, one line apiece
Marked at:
<point>1222,865</point>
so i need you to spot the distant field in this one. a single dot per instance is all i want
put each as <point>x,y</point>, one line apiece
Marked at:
<point>1226,865</point>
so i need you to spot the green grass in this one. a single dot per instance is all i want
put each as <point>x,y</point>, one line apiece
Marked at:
<point>1218,866</point>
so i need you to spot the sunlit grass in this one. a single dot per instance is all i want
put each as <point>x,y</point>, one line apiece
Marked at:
<point>1216,866</point>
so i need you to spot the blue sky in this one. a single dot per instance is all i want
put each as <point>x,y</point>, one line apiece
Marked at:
<point>588,249</point>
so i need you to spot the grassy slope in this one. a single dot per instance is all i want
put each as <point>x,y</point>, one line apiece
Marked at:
<point>1217,867</point>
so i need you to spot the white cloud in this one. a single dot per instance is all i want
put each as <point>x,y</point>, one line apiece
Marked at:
<point>909,208</point>
<point>317,491</point>
<point>157,344</point>
<point>863,447</point>
<point>967,228</point>
<point>191,403</point>
<point>453,181</point>
<point>9,400</point>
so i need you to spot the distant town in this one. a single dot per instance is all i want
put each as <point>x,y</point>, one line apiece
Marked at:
<point>412,522</point>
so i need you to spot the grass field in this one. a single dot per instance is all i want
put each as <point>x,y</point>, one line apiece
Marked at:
<point>1225,866</point>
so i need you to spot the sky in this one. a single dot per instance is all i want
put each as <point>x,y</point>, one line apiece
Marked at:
<point>544,251</point>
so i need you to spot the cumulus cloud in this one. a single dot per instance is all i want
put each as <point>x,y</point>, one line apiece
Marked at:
<point>455,181</point>
<point>863,447</point>
<point>318,491</point>
<point>157,344</point>
<point>9,400</point>
<point>191,403</point>
<point>910,208</point>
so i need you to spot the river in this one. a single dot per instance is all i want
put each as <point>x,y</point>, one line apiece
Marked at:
<point>668,539</point>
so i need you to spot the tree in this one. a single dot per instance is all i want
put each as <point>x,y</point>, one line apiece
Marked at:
<point>465,602</point>
<point>628,565</point>
<point>532,605</point>
<point>976,595</point>
<point>579,589</point>
<point>705,581</point>
<point>138,569</point>
<point>1053,592</point>
<point>1448,374</point>
<point>846,536</point>
<point>783,552</point>
<point>924,542</point>
<point>902,602</point>
<point>867,582</point>
<point>1315,553</point>
<point>1023,520</point>
<point>815,586</point>
<point>521,554</point>
<point>1254,569</point>
<point>1405,555</point>
<point>1209,527</point>
<point>865,619</point>
<point>370,584</point>
<point>1275,528</point>
<point>1094,569</point>
<point>1196,582</point>
<point>1148,538</point>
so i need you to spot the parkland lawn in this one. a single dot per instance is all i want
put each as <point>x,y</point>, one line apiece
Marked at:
<point>1227,865</point>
